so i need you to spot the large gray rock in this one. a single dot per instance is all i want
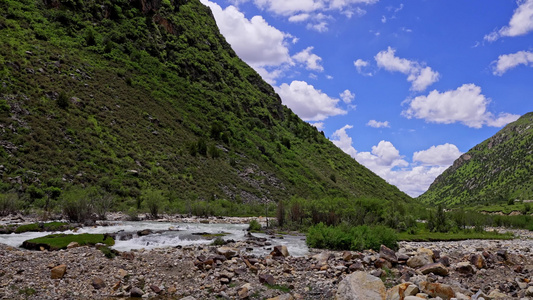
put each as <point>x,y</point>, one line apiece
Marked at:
<point>435,268</point>
<point>361,286</point>
<point>423,257</point>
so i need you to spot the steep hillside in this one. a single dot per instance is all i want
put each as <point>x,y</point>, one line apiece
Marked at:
<point>134,95</point>
<point>498,169</point>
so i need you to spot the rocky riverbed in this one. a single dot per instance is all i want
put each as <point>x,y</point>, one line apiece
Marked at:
<point>445,270</point>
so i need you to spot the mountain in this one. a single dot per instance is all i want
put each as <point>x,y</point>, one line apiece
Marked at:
<point>497,170</point>
<point>135,95</point>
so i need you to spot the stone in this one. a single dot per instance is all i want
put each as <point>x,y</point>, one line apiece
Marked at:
<point>267,278</point>
<point>228,252</point>
<point>435,268</point>
<point>382,263</point>
<point>347,255</point>
<point>58,272</point>
<point>357,266</point>
<point>529,291</point>
<point>244,291</point>
<point>388,254</point>
<point>413,298</point>
<point>423,257</point>
<point>411,290</point>
<point>122,273</point>
<point>443,291</point>
<point>280,251</point>
<point>397,292</point>
<point>361,286</point>
<point>144,232</point>
<point>136,292</point>
<point>128,255</point>
<point>98,283</point>
<point>73,245</point>
<point>282,297</point>
<point>155,289</point>
<point>496,294</point>
<point>478,261</point>
<point>465,268</point>
<point>445,260</point>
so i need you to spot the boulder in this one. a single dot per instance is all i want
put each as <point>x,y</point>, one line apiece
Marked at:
<point>423,257</point>
<point>388,254</point>
<point>73,245</point>
<point>58,272</point>
<point>465,268</point>
<point>397,292</point>
<point>267,278</point>
<point>280,251</point>
<point>155,289</point>
<point>128,255</point>
<point>136,292</point>
<point>322,258</point>
<point>478,261</point>
<point>244,291</point>
<point>382,263</point>
<point>443,291</point>
<point>361,286</point>
<point>347,255</point>
<point>228,252</point>
<point>435,268</point>
<point>98,283</point>
<point>496,294</point>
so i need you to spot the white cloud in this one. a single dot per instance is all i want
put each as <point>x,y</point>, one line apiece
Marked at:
<point>360,65</point>
<point>292,7</point>
<point>307,102</point>
<point>521,22</point>
<point>347,96</point>
<point>418,74</point>
<point>319,125</point>
<point>387,162</point>
<point>299,18</point>
<point>508,61</point>
<point>312,61</point>
<point>377,124</point>
<point>383,19</point>
<point>254,40</point>
<point>466,105</point>
<point>329,77</point>
<point>443,155</point>
<point>342,140</point>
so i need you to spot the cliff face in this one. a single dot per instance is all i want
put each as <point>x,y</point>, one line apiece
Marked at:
<point>498,169</point>
<point>128,96</point>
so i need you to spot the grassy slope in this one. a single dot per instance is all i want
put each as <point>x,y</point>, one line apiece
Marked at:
<point>498,169</point>
<point>120,95</point>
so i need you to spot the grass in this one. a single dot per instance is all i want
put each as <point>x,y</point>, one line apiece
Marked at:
<point>61,241</point>
<point>51,226</point>
<point>278,287</point>
<point>426,236</point>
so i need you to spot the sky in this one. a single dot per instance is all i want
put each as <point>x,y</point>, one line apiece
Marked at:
<point>405,88</point>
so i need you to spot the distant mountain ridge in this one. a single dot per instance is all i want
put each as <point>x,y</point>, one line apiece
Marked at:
<point>147,94</point>
<point>497,170</point>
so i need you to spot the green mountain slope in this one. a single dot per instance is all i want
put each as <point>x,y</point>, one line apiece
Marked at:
<point>498,169</point>
<point>129,95</point>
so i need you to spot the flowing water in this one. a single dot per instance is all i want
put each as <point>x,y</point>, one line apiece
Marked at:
<point>171,234</point>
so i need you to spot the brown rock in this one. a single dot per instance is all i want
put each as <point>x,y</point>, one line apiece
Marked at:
<point>478,261</point>
<point>437,290</point>
<point>136,292</point>
<point>282,297</point>
<point>122,273</point>
<point>388,254</point>
<point>361,286</point>
<point>266,278</point>
<point>357,266</point>
<point>347,255</point>
<point>73,245</point>
<point>98,283</point>
<point>128,255</point>
<point>280,251</point>
<point>244,291</point>
<point>397,292</point>
<point>155,289</point>
<point>382,263</point>
<point>445,260</point>
<point>465,268</point>
<point>228,252</point>
<point>58,272</point>
<point>435,268</point>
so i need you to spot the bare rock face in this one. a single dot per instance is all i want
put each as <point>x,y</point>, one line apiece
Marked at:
<point>58,272</point>
<point>361,286</point>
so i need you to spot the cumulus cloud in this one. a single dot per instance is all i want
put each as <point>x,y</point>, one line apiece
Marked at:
<point>521,22</point>
<point>360,65</point>
<point>376,124</point>
<point>417,73</point>
<point>292,7</point>
<point>466,105</point>
<point>508,61</point>
<point>387,162</point>
<point>254,40</point>
<point>347,96</point>
<point>307,102</point>
<point>318,125</point>
<point>443,155</point>
<point>299,18</point>
<point>311,61</point>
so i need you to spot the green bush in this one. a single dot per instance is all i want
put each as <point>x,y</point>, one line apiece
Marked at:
<point>8,204</point>
<point>254,226</point>
<point>356,238</point>
<point>76,205</point>
<point>154,200</point>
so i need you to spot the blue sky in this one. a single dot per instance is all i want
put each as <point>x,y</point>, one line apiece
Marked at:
<point>403,87</point>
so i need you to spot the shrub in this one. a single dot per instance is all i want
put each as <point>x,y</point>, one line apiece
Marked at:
<point>218,242</point>
<point>356,238</point>
<point>62,100</point>
<point>254,226</point>
<point>102,204</point>
<point>8,204</point>
<point>77,206</point>
<point>153,199</point>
